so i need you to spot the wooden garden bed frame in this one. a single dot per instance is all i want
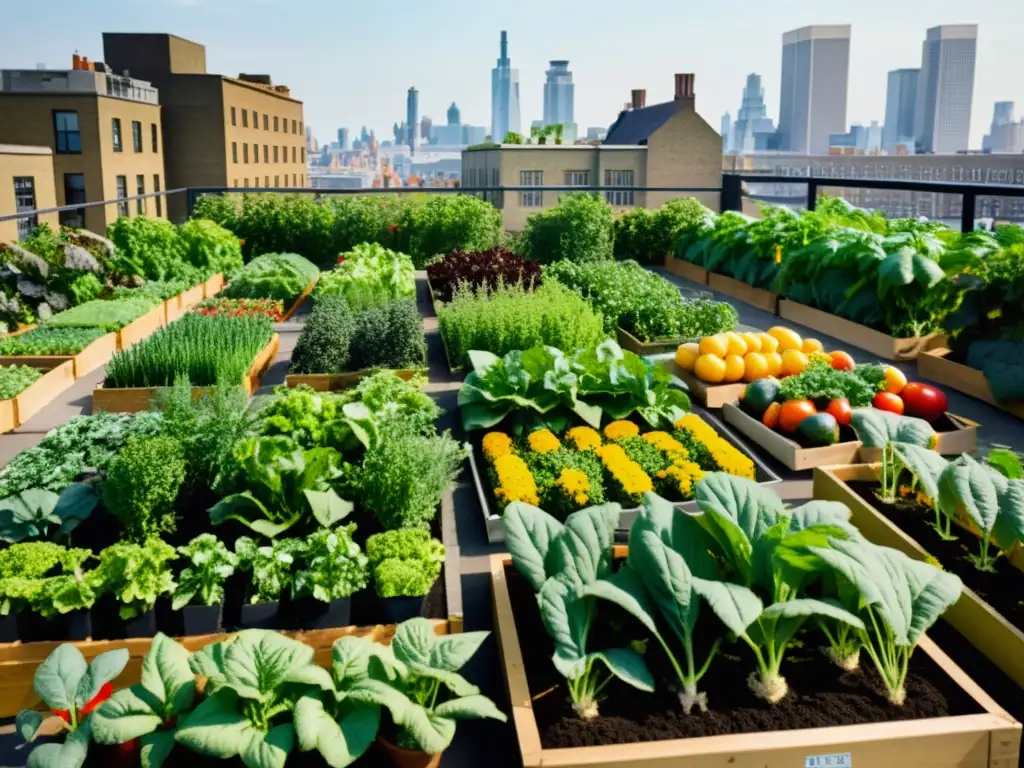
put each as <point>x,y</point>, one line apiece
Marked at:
<point>141,327</point>
<point>336,382</point>
<point>94,355</point>
<point>766,301</point>
<point>686,270</point>
<point>936,366</point>
<point>644,348</point>
<point>36,396</point>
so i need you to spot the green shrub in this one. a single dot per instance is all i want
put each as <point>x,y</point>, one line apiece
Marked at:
<point>84,287</point>
<point>369,276</point>
<point>142,485</point>
<point>405,562</point>
<point>208,350</point>
<point>50,341</point>
<point>273,276</point>
<point>512,318</point>
<point>648,236</point>
<point>109,315</point>
<point>209,247</point>
<point>148,248</point>
<point>323,345</point>
<point>14,379</point>
<point>220,209</point>
<point>579,228</point>
<point>362,219</point>
<point>445,222</point>
<point>275,223</point>
<point>389,337</point>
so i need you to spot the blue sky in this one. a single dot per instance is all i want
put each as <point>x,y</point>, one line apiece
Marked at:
<point>351,61</point>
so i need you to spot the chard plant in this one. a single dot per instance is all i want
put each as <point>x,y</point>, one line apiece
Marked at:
<point>211,563</point>
<point>150,710</point>
<point>560,562</point>
<point>71,689</point>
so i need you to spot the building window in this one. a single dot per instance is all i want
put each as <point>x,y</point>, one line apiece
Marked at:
<point>255,120</point>
<point>234,152</point>
<point>245,183</point>
<point>255,153</point>
<point>233,117</point>
<point>618,179</point>
<point>115,124</point>
<point>275,124</point>
<point>285,182</point>
<point>302,154</point>
<point>245,118</point>
<point>295,180</point>
<point>74,194</point>
<point>577,179</point>
<point>275,153</point>
<point>245,152</point>
<point>531,179</point>
<point>235,184</point>
<point>277,181</point>
<point>136,136</point>
<point>266,154</point>
<point>25,200</point>
<point>159,200</point>
<point>266,122</point>
<point>122,194</point>
<point>154,136</point>
<point>69,139</point>
<point>302,179</point>
<point>140,187</point>
<point>295,126</point>
<point>266,181</point>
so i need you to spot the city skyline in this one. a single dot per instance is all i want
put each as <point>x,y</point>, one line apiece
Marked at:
<point>326,65</point>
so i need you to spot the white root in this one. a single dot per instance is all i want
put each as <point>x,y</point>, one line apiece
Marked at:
<point>772,690</point>
<point>691,698</point>
<point>898,697</point>
<point>586,709</point>
<point>848,663</point>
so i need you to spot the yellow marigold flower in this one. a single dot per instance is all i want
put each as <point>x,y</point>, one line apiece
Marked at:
<point>626,472</point>
<point>619,429</point>
<point>543,441</point>
<point>681,477</point>
<point>495,445</point>
<point>728,458</point>
<point>584,438</point>
<point>515,483</point>
<point>575,485</point>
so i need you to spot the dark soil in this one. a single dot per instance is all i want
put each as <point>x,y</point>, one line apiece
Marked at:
<point>821,695</point>
<point>1003,589</point>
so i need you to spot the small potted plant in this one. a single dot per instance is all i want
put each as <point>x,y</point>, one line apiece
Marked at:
<point>405,564</point>
<point>33,579</point>
<point>270,569</point>
<point>63,603</point>
<point>334,567</point>
<point>200,591</point>
<point>71,689</point>
<point>135,576</point>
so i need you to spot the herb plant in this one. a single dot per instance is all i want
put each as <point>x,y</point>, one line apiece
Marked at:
<point>45,340</point>
<point>323,345</point>
<point>142,485</point>
<point>579,228</point>
<point>202,581</point>
<point>146,247</point>
<point>333,565</point>
<point>271,567</point>
<point>647,236</point>
<point>819,380</point>
<point>272,276</point>
<point>390,336</point>
<point>439,223</point>
<point>405,562</point>
<point>15,379</point>
<point>137,575</point>
<point>154,290</point>
<point>488,268</point>
<point>109,315</point>
<point>209,247</point>
<point>369,276</point>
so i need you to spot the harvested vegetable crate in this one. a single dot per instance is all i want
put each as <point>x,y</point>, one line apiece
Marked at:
<point>935,365</point>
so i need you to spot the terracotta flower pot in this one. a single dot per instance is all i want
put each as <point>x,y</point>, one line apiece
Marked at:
<point>408,758</point>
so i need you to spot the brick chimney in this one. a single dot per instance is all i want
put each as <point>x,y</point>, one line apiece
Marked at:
<point>684,86</point>
<point>639,100</point>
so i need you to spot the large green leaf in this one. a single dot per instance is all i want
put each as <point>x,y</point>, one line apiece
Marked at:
<point>124,716</point>
<point>413,641</point>
<point>567,619</point>
<point>216,727</point>
<point>529,534</point>
<point>340,742</point>
<point>753,508</point>
<point>102,669</point>
<point>432,733</point>
<point>166,674</point>
<point>451,652</point>
<point>258,661</point>
<point>351,657</point>
<point>924,464</point>
<point>735,606</point>
<point>27,724</point>
<point>470,708</point>
<point>668,580</point>
<point>967,489</point>
<point>71,754</point>
<point>582,552</point>
<point>1009,527</point>
<point>270,749</point>
<point>625,588</point>
<point>627,665</point>
<point>155,748</point>
<point>819,512</point>
<point>876,428</point>
<point>57,679</point>
<point>328,507</point>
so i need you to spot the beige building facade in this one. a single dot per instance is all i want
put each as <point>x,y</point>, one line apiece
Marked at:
<point>666,145</point>
<point>26,184</point>
<point>103,132</point>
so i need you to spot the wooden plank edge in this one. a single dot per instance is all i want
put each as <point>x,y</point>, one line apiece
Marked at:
<point>43,391</point>
<point>298,302</point>
<point>452,561</point>
<point>760,298</point>
<point>336,382</point>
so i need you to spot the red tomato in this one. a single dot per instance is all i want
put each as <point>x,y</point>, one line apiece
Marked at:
<point>793,412</point>
<point>924,401</point>
<point>842,361</point>
<point>840,410</point>
<point>887,401</point>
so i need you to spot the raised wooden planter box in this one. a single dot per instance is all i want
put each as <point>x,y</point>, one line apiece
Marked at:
<point>298,302</point>
<point>686,270</point>
<point>37,395</point>
<point>936,366</point>
<point>972,617</point>
<point>135,399</point>
<point>172,309</point>
<point>213,286</point>
<point>141,327</point>
<point>857,335</point>
<point>89,359</point>
<point>335,382</point>
<point>990,739</point>
<point>748,294</point>
<point>643,348</point>
<point>433,296</point>
<point>191,297</point>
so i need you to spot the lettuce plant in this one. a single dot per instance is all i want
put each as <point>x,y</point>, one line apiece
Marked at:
<point>405,562</point>
<point>39,513</point>
<point>334,566</point>
<point>150,710</point>
<point>880,429</point>
<point>136,574</point>
<point>271,566</point>
<point>561,562</point>
<point>210,565</point>
<point>71,689</point>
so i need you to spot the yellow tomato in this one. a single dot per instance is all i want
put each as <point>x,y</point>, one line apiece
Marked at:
<point>737,346</point>
<point>812,345</point>
<point>787,338</point>
<point>793,362</point>
<point>687,355</point>
<point>753,341</point>
<point>734,368</point>
<point>768,343</point>
<point>756,366</point>
<point>714,345</point>
<point>710,369</point>
<point>895,381</point>
<point>774,360</point>
<point>820,356</point>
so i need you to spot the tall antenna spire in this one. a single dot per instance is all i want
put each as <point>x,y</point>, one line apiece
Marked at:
<point>504,45</point>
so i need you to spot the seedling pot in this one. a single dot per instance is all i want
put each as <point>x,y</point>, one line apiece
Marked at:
<point>143,625</point>
<point>395,610</point>
<point>259,616</point>
<point>202,619</point>
<point>8,628</point>
<point>309,613</point>
<point>114,755</point>
<point>33,628</point>
<point>408,758</point>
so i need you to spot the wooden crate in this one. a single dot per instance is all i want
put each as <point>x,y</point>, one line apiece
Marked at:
<point>135,399</point>
<point>643,348</point>
<point>789,452</point>
<point>767,301</point>
<point>686,270</point>
<point>89,359</point>
<point>972,617</point>
<point>857,335</point>
<point>710,395</point>
<point>987,740</point>
<point>213,286</point>
<point>335,382</point>
<point>935,365</point>
<point>140,328</point>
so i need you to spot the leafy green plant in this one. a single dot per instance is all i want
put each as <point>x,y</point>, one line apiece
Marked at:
<point>512,318</point>
<point>323,345</point>
<point>15,379</point>
<point>284,485</point>
<point>275,223</point>
<point>109,315</point>
<point>220,209</point>
<point>405,562</point>
<point>154,290</point>
<point>142,485</point>
<point>272,276</point>
<point>71,689</point>
<point>202,581</point>
<point>445,222</point>
<point>481,268</point>
<point>648,236</point>
<point>579,228</point>
<point>136,575</point>
<point>391,398</point>
<point>50,341</point>
<point>208,350</point>
<point>272,566</point>
<point>209,247</point>
<point>563,563</point>
<point>148,248</point>
<point>819,380</point>
<point>390,336</point>
<point>369,276</point>
<point>27,573</point>
<point>362,219</point>
<point>38,513</point>
<point>333,565</point>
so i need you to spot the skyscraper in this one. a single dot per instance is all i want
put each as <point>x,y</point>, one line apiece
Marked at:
<point>426,129</point>
<point>343,138</point>
<point>454,116</point>
<point>900,108</point>
<point>815,70</point>
<point>726,131</point>
<point>412,126</point>
<point>945,88</point>
<point>752,118</point>
<point>558,95</point>
<point>504,95</point>
<point>1006,136</point>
